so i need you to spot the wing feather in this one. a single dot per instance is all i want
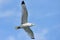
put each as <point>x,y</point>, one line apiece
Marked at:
<point>24,13</point>
<point>29,31</point>
<point>24,20</point>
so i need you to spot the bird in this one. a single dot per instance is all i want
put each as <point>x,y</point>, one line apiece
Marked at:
<point>24,21</point>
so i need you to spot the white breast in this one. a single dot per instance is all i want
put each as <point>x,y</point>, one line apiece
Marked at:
<point>26,24</point>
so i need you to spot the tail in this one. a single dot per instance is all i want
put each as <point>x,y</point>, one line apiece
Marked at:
<point>18,27</point>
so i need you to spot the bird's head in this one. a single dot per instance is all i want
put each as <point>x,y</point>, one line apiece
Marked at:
<point>32,24</point>
<point>18,27</point>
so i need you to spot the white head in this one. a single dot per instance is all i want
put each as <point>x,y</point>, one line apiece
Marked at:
<point>31,24</point>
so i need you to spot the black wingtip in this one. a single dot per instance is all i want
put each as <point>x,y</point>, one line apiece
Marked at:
<point>23,2</point>
<point>33,38</point>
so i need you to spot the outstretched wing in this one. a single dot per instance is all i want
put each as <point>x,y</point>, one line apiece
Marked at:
<point>24,13</point>
<point>24,20</point>
<point>29,31</point>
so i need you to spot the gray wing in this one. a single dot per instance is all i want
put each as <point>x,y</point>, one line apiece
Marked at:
<point>29,31</point>
<point>24,13</point>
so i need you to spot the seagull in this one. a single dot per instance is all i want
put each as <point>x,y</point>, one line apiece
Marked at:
<point>24,21</point>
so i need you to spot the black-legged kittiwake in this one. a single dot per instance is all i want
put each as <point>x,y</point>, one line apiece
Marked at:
<point>24,21</point>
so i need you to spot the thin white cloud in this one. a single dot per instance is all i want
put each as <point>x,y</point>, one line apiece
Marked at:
<point>41,35</point>
<point>48,15</point>
<point>8,13</point>
<point>10,38</point>
<point>39,15</point>
<point>5,1</point>
<point>44,31</point>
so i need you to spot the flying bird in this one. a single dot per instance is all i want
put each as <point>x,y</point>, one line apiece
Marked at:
<point>24,21</point>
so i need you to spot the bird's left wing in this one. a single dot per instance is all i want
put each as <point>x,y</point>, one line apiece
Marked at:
<point>29,31</point>
<point>24,13</point>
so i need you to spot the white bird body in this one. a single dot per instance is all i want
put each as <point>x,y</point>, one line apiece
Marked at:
<point>27,25</point>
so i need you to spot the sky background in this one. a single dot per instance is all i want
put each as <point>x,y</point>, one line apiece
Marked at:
<point>45,14</point>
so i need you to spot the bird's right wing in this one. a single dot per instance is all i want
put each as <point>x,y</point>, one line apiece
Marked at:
<point>24,13</point>
<point>30,32</point>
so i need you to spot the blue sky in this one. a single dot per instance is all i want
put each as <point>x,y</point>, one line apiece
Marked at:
<point>45,14</point>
